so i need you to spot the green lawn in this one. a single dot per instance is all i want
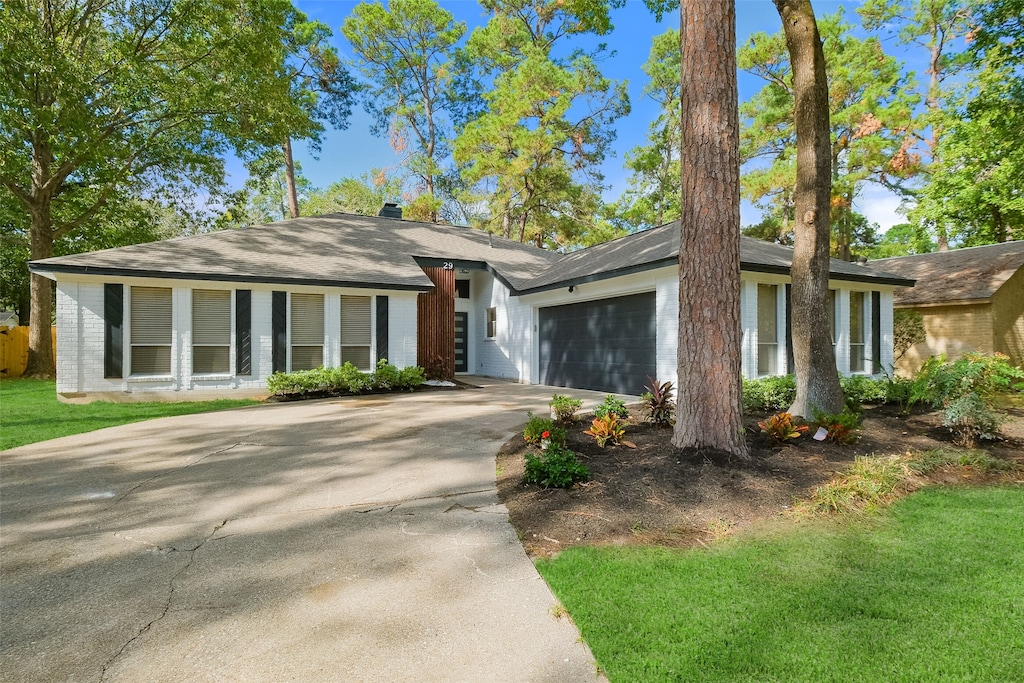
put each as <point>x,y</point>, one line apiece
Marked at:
<point>930,590</point>
<point>30,412</point>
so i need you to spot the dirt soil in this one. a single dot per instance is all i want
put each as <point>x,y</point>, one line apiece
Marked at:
<point>658,495</point>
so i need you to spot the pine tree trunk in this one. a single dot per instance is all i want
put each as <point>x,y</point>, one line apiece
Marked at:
<point>289,179</point>
<point>817,381</point>
<point>709,408</point>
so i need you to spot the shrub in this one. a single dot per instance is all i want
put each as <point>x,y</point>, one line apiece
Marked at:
<point>658,399</point>
<point>411,377</point>
<point>565,407</point>
<point>769,394</point>
<point>385,375</point>
<point>556,467</point>
<point>780,427</point>
<point>907,330</point>
<point>611,406</point>
<point>899,390</point>
<point>439,368</point>
<point>839,427</point>
<point>608,428</point>
<point>860,389</point>
<point>535,427</point>
<point>967,389</point>
<point>346,379</point>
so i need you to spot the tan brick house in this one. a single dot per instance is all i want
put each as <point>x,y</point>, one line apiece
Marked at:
<point>972,300</point>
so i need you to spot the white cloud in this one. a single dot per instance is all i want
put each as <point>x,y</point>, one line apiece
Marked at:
<point>880,206</point>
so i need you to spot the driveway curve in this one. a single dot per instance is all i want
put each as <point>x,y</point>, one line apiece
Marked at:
<point>355,539</point>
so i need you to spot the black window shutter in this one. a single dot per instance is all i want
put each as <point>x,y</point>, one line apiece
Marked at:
<point>790,363</point>
<point>382,327</point>
<point>113,330</point>
<point>243,332</point>
<point>876,332</point>
<point>279,331</point>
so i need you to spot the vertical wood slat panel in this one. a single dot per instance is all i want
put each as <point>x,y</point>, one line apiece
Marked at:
<point>435,333</point>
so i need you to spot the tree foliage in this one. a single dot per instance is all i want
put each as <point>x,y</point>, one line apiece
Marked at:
<point>870,114</point>
<point>142,99</point>
<point>405,51</point>
<point>535,149</point>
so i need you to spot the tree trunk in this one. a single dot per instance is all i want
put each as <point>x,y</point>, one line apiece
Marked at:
<point>289,179</point>
<point>40,336</point>
<point>817,381</point>
<point>709,408</point>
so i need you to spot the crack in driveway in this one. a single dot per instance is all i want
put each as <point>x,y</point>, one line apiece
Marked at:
<point>167,603</point>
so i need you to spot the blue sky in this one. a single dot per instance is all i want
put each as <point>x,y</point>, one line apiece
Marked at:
<point>354,151</point>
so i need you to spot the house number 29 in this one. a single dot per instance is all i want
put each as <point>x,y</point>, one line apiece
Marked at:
<point>448,265</point>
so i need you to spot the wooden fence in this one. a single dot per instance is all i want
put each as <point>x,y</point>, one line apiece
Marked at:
<point>14,350</point>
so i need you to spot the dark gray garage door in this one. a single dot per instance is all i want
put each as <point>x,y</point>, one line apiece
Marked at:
<point>605,345</point>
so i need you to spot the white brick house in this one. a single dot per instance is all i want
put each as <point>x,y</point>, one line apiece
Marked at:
<point>223,311</point>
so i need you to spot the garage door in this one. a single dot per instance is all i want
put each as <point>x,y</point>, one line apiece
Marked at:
<point>605,345</point>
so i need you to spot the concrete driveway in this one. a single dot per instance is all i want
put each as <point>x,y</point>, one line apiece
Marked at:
<point>356,539</point>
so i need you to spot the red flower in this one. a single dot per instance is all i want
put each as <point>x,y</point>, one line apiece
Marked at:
<point>545,435</point>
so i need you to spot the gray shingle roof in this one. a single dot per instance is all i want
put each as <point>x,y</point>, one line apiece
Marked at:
<point>971,274</point>
<point>335,249</point>
<point>362,251</point>
<point>660,246</point>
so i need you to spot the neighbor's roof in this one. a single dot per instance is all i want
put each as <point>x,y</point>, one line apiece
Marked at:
<point>959,275</point>
<point>334,249</point>
<point>361,251</point>
<point>660,246</point>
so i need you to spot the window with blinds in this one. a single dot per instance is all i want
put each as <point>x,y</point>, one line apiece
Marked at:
<point>307,331</point>
<point>151,330</point>
<point>211,331</point>
<point>767,329</point>
<point>355,331</point>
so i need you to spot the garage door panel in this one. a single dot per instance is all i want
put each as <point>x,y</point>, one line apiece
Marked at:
<point>605,345</point>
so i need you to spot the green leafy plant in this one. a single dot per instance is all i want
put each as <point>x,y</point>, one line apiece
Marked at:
<point>967,389</point>
<point>658,401</point>
<point>839,427</point>
<point>411,377</point>
<point>780,427</point>
<point>860,389</point>
<point>907,330</point>
<point>611,406</point>
<point>565,407</point>
<point>539,430</point>
<point>769,394</point>
<point>385,375</point>
<point>608,428</point>
<point>347,379</point>
<point>555,467</point>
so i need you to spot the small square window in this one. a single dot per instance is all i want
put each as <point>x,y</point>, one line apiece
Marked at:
<point>462,289</point>
<point>492,322</point>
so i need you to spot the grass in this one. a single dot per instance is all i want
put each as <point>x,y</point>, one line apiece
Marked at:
<point>30,412</point>
<point>931,589</point>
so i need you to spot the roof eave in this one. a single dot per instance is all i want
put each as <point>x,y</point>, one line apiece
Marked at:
<point>51,270</point>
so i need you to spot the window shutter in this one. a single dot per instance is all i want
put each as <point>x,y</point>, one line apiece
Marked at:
<point>790,363</point>
<point>279,331</point>
<point>211,317</point>
<point>382,327</point>
<point>151,315</point>
<point>243,331</point>
<point>876,332</point>
<point>307,319</point>
<point>113,330</point>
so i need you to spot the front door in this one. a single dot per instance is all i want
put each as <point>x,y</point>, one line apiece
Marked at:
<point>461,342</point>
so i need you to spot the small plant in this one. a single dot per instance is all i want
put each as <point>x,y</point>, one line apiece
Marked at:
<point>608,428</point>
<point>565,407</point>
<point>385,375</point>
<point>860,389</point>
<point>611,406</point>
<point>839,427</point>
<point>770,394</point>
<point>967,389</point>
<point>411,377</point>
<point>658,401</point>
<point>781,428</point>
<point>535,428</point>
<point>556,467</point>
<point>439,368</point>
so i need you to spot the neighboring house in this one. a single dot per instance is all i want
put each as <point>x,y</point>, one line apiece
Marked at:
<point>223,311</point>
<point>8,319</point>
<point>971,299</point>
